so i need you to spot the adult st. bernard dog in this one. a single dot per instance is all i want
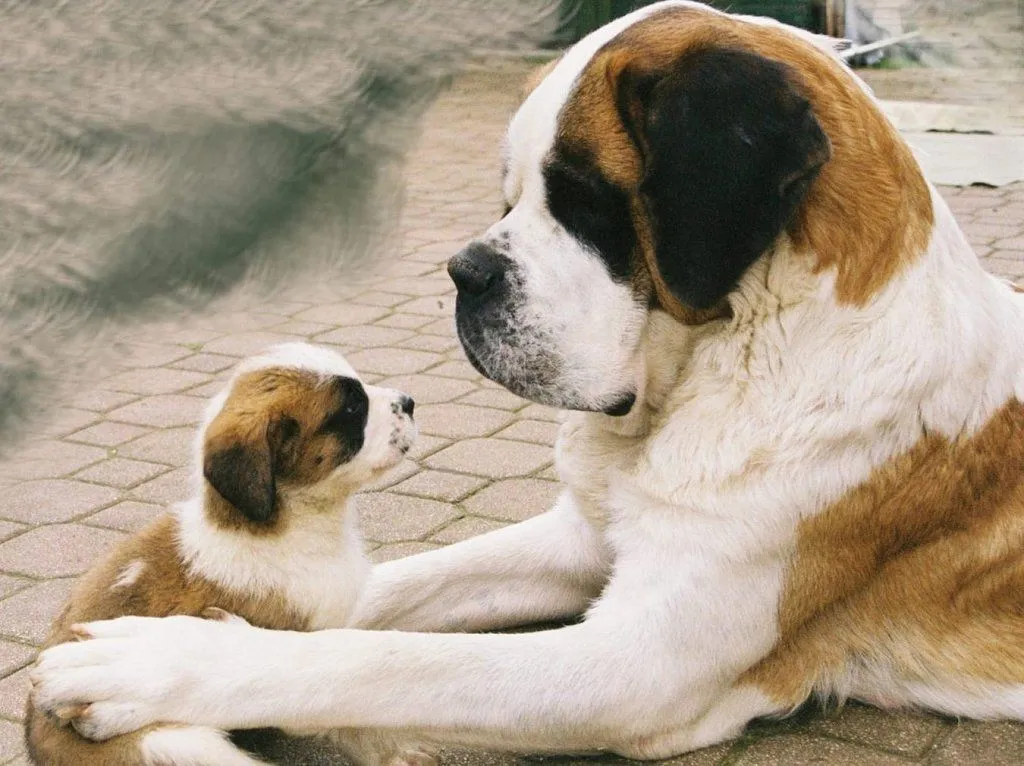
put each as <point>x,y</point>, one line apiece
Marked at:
<point>795,464</point>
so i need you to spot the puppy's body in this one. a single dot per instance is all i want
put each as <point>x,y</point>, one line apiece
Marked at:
<point>293,562</point>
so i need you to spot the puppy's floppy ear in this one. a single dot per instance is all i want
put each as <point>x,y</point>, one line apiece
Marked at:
<point>730,148</point>
<point>238,462</point>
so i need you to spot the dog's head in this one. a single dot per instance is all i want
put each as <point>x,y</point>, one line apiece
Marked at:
<point>657,161</point>
<point>296,420</point>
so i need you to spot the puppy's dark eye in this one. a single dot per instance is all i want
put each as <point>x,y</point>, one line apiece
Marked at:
<point>319,459</point>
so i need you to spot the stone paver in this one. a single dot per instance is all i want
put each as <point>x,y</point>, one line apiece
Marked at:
<point>118,451</point>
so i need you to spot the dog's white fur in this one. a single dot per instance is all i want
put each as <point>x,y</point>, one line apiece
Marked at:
<point>672,534</point>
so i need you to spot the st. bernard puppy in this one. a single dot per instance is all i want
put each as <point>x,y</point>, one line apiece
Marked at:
<point>795,461</point>
<point>270,536</point>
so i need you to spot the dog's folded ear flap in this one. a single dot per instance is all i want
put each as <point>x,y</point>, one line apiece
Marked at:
<point>238,462</point>
<point>729,147</point>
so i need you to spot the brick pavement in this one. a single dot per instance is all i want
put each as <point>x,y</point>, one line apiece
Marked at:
<point>114,453</point>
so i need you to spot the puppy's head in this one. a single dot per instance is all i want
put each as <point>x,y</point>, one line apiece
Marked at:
<point>298,422</point>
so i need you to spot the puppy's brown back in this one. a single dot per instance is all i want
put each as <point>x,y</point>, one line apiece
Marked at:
<point>144,576</point>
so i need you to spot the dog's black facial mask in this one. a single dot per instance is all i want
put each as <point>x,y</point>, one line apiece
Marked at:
<point>730,149</point>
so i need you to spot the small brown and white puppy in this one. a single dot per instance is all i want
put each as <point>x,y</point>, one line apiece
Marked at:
<point>269,536</point>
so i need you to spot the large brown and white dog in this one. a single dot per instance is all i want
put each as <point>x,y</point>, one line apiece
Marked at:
<point>796,465</point>
<point>270,536</point>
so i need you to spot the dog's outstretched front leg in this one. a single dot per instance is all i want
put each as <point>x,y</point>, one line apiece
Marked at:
<point>547,568</point>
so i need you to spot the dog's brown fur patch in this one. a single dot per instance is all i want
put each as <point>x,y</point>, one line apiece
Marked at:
<point>164,586</point>
<point>869,212</point>
<point>921,567</point>
<point>248,433</point>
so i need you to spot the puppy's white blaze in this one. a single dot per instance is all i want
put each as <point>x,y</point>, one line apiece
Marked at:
<point>129,575</point>
<point>192,746</point>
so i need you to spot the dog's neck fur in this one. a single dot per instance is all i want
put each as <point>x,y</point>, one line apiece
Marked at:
<point>314,559</point>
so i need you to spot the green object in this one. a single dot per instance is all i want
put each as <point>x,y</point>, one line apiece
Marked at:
<point>584,16</point>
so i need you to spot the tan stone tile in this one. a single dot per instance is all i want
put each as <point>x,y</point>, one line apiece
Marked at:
<point>491,457</point>
<point>9,529</point>
<point>242,321</point>
<point>27,615</point>
<point>541,412</point>
<point>427,445</point>
<point>420,286</point>
<point>803,749</point>
<point>67,420</point>
<point>137,354</point>
<point>379,299</point>
<point>343,314</point>
<point>535,431</point>
<point>165,411</point>
<point>300,329</point>
<point>172,446</point>
<point>436,343</point>
<point>405,268</point>
<point>127,516</point>
<point>53,500</point>
<point>9,585</point>
<point>399,551</point>
<point>392,518</point>
<point>108,434</point>
<point>208,390</point>
<point>244,344</point>
<point>14,695</point>
<point>121,472</point>
<point>404,322</point>
<point>514,499</point>
<point>907,734</point>
<point>400,473</point>
<point>550,474</point>
<point>14,656</point>
<point>974,743</point>
<point>48,459</point>
<point>102,400</point>
<point>364,336</point>
<point>170,488</point>
<point>440,485</point>
<point>465,528</point>
<point>490,397</point>
<point>393,361</point>
<point>461,370</point>
<point>1010,243</point>
<point>60,550</point>
<point>1004,267</point>
<point>458,421</point>
<point>444,327</point>
<point>161,380</point>
<point>429,389</point>
<point>436,306</point>
<point>205,362</point>
<point>12,741</point>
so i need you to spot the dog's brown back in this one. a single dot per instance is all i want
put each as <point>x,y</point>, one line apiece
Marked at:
<point>162,586</point>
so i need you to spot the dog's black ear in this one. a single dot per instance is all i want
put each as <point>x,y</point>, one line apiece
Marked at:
<point>238,462</point>
<point>730,148</point>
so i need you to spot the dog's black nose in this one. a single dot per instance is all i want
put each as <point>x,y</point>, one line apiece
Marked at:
<point>407,405</point>
<point>477,268</point>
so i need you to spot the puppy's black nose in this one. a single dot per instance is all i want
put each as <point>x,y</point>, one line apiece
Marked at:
<point>407,405</point>
<point>477,268</point>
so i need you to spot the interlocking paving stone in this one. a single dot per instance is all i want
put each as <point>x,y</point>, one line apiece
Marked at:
<point>440,485</point>
<point>121,472</point>
<point>49,501</point>
<point>536,431</point>
<point>204,362</point>
<point>244,344</point>
<point>514,499</point>
<point>491,457</point>
<point>13,694</point>
<point>972,743</point>
<point>169,488</point>
<point>127,516</point>
<point>28,614</point>
<point>457,421</point>
<point>60,550</point>
<point>392,361</point>
<point>14,656</point>
<point>102,400</point>
<point>50,459</point>
<point>172,446</point>
<point>905,734</point>
<point>391,518</point>
<point>342,314</point>
<point>805,749</point>
<point>162,411</point>
<point>465,528</point>
<point>9,584</point>
<point>399,551</point>
<point>364,336</point>
<point>428,389</point>
<point>489,397</point>
<point>108,434</point>
<point>67,420</point>
<point>159,381</point>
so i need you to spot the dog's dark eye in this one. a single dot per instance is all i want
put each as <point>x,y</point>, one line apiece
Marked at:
<point>319,459</point>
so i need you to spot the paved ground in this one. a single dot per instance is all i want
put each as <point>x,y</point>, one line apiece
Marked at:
<point>114,454</point>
